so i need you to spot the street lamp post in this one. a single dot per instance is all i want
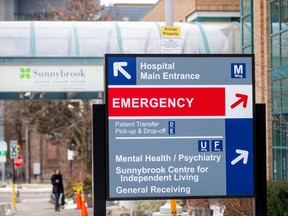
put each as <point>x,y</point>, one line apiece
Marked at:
<point>28,155</point>
<point>41,158</point>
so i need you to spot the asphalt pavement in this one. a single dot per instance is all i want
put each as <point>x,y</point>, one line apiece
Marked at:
<point>43,207</point>
<point>34,200</point>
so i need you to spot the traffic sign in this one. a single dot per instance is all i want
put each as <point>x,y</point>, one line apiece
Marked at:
<point>18,162</point>
<point>3,149</point>
<point>180,126</point>
<point>13,149</point>
<point>77,187</point>
<point>3,159</point>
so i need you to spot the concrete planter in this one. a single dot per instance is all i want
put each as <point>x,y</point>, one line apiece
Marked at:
<point>201,212</point>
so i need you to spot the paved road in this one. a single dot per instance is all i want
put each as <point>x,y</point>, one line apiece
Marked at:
<point>38,204</point>
<point>42,206</point>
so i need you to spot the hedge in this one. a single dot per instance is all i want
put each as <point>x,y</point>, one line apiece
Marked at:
<point>277,200</point>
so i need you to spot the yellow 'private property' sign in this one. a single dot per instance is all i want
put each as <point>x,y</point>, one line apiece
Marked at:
<point>170,31</point>
<point>77,187</point>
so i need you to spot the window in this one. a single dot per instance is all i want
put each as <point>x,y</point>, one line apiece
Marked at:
<point>276,131</point>
<point>246,26</point>
<point>284,48</point>
<point>284,165</point>
<point>284,123</point>
<point>275,51</point>
<point>284,14</point>
<point>246,8</point>
<point>276,96</point>
<point>52,152</point>
<point>247,31</point>
<point>277,165</point>
<point>275,16</point>
<point>284,95</point>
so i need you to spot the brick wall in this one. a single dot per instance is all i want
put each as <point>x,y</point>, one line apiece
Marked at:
<point>262,69</point>
<point>184,8</point>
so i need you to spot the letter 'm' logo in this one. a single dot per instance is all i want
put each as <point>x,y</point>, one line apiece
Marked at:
<point>238,70</point>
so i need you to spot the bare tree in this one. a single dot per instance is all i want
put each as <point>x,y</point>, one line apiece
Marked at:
<point>63,121</point>
<point>78,10</point>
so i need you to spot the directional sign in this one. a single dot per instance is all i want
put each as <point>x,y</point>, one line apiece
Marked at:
<point>243,155</point>
<point>118,67</point>
<point>3,159</point>
<point>3,153</point>
<point>242,99</point>
<point>13,149</point>
<point>180,126</point>
<point>3,149</point>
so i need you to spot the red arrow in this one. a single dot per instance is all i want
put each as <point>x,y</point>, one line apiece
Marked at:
<point>242,98</point>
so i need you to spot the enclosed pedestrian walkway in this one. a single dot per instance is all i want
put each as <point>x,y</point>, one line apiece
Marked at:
<point>62,39</point>
<point>85,43</point>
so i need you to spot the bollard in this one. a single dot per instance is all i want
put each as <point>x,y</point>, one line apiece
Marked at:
<point>18,196</point>
<point>13,200</point>
<point>173,208</point>
<point>167,211</point>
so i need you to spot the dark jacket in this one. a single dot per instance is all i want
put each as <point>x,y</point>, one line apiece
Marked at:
<point>57,186</point>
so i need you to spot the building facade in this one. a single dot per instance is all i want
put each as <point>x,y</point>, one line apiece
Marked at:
<point>265,33</point>
<point>197,11</point>
<point>256,37</point>
<point>23,10</point>
<point>278,31</point>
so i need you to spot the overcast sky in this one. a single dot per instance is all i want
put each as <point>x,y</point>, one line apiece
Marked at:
<point>128,1</point>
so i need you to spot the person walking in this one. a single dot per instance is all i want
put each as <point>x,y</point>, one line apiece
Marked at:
<point>58,189</point>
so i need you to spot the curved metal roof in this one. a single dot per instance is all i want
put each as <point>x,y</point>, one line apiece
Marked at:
<point>70,43</point>
<point>94,39</point>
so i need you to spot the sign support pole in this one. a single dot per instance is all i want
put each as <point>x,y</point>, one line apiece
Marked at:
<point>99,160</point>
<point>261,186</point>
<point>3,174</point>
<point>169,18</point>
<point>169,12</point>
<point>13,200</point>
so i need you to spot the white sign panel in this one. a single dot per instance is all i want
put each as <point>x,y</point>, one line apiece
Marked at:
<point>3,146</point>
<point>170,39</point>
<point>36,169</point>
<point>3,159</point>
<point>13,149</point>
<point>171,45</point>
<point>3,149</point>
<point>51,78</point>
<point>70,154</point>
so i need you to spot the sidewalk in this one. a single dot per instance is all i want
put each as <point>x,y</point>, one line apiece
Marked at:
<point>36,202</point>
<point>28,188</point>
<point>41,206</point>
<point>36,207</point>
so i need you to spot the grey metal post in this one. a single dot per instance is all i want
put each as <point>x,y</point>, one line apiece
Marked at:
<point>3,174</point>
<point>169,12</point>
<point>2,137</point>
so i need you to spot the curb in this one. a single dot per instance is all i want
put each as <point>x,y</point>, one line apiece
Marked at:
<point>9,191</point>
